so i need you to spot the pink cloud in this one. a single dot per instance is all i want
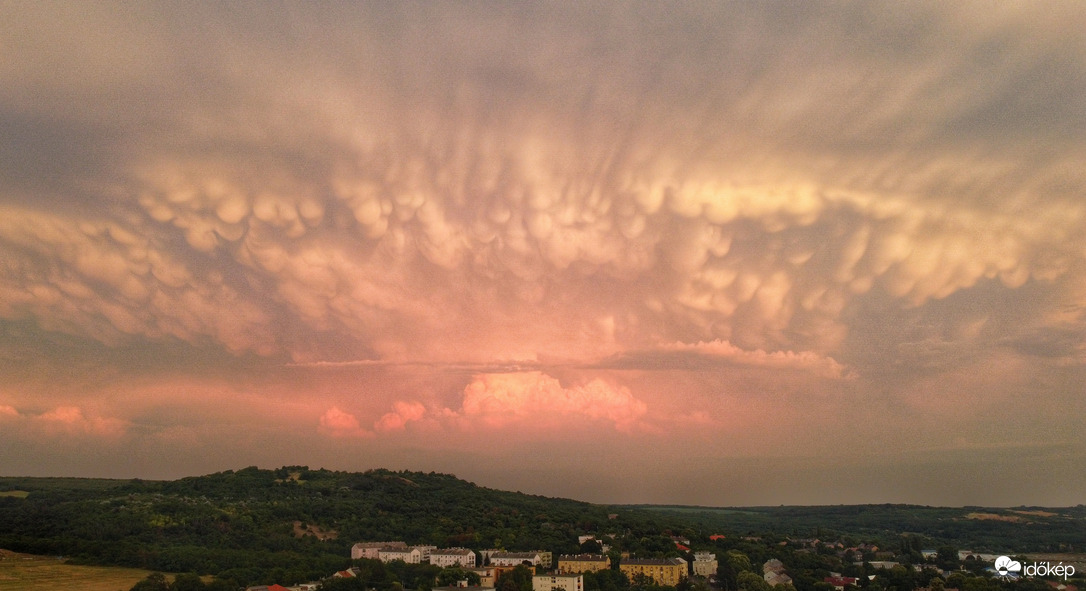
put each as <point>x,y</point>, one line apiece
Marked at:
<point>402,413</point>
<point>72,420</point>
<point>8,412</point>
<point>337,423</point>
<point>502,399</point>
<point>804,360</point>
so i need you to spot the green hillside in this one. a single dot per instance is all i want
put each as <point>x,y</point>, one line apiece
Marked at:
<point>297,524</point>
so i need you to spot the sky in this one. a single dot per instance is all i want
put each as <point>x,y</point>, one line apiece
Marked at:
<point>719,253</point>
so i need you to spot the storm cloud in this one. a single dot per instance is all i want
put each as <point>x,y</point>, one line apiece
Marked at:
<point>750,229</point>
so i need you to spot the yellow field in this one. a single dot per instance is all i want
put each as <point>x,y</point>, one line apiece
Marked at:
<point>22,494</point>
<point>22,572</point>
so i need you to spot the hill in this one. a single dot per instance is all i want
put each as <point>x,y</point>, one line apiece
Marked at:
<point>297,524</point>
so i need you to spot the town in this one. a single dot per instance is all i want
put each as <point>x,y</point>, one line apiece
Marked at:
<point>603,568</point>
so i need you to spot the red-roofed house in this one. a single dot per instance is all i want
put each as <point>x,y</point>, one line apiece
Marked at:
<point>840,583</point>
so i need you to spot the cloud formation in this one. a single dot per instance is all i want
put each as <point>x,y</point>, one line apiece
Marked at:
<point>337,423</point>
<point>428,215</point>
<point>500,399</point>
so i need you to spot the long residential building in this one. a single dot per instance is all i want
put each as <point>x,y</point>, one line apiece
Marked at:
<point>408,555</point>
<point>664,571</point>
<point>583,563</point>
<point>372,549</point>
<point>452,557</point>
<point>515,558</point>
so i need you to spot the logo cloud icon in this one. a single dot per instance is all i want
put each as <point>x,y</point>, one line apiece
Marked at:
<point>1005,566</point>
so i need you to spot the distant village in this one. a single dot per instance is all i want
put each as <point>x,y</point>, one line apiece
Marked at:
<point>483,570</point>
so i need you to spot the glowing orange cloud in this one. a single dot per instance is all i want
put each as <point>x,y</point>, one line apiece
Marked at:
<point>337,423</point>
<point>501,399</point>
<point>402,413</point>
<point>804,360</point>
<point>71,420</point>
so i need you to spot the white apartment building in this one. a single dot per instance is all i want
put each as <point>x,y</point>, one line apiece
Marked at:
<point>408,555</point>
<point>705,564</point>
<point>371,549</point>
<point>558,583</point>
<point>452,557</point>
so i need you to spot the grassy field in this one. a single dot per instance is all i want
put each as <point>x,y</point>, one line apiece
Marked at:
<point>22,494</point>
<point>23,572</point>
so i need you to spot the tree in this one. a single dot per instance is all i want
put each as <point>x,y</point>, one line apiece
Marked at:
<point>187,582</point>
<point>750,581</point>
<point>591,546</point>
<point>738,561</point>
<point>451,576</point>
<point>153,582</point>
<point>518,579</point>
<point>341,584</point>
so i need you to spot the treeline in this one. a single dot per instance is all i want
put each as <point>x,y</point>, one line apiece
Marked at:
<point>1000,530</point>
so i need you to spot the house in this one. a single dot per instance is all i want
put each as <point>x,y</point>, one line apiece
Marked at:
<point>487,576</point>
<point>716,537</point>
<point>839,583</point>
<point>558,583</point>
<point>664,571</point>
<point>705,564</point>
<point>773,565</point>
<point>583,563</point>
<point>515,558</point>
<point>463,585</point>
<point>452,557</point>
<point>776,578</point>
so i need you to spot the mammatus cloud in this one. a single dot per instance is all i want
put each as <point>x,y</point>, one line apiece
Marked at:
<point>630,216</point>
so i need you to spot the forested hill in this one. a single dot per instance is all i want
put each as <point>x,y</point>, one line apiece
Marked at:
<point>253,518</point>
<point>245,524</point>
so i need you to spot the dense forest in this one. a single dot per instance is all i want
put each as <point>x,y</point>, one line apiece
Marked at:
<point>296,524</point>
